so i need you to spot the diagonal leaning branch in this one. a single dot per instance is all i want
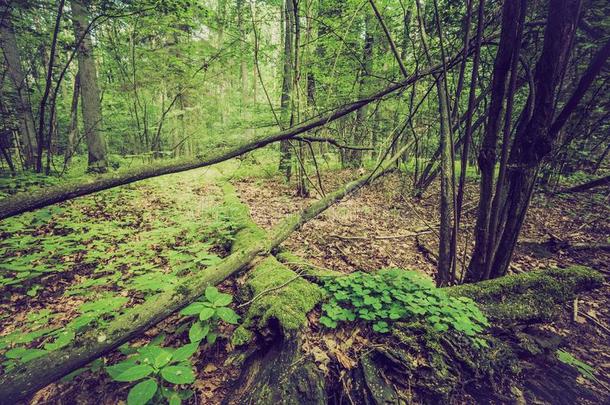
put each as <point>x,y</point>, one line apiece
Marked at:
<point>27,378</point>
<point>20,203</point>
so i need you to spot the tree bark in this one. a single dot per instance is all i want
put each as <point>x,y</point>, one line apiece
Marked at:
<point>535,141</point>
<point>487,154</point>
<point>287,117</point>
<point>360,133</point>
<point>73,126</point>
<point>90,92</point>
<point>8,43</point>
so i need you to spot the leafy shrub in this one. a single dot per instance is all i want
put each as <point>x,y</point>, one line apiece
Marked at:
<point>395,294</point>
<point>155,367</point>
<point>212,308</point>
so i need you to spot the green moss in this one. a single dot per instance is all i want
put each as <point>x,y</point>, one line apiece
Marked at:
<point>246,232</point>
<point>241,336</point>
<point>286,297</point>
<point>529,296</point>
<point>285,256</point>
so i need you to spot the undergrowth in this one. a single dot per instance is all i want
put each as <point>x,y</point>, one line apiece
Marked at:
<point>391,295</point>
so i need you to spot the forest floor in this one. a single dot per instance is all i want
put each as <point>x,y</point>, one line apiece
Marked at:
<point>148,234</point>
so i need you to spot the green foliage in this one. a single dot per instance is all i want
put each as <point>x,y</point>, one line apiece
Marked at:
<point>157,369</point>
<point>583,368</point>
<point>209,311</point>
<point>92,312</point>
<point>395,294</point>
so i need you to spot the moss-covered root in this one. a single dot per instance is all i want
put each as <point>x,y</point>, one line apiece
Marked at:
<point>529,297</point>
<point>279,297</point>
<point>282,375</point>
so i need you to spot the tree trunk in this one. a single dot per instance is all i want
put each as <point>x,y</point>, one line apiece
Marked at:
<point>90,92</point>
<point>534,142</point>
<point>27,128</point>
<point>285,165</point>
<point>73,126</point>
<point>361,129</point>
<point>487,154</point>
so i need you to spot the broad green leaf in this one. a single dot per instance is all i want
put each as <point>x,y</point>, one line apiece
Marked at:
<point>198,331</point>
<point>227,315</point>
<point>142,392</point>
<point>178,374</point>
<point>206,313</point>
<point>222,300</point>
<point>134,373</point>
<point>185,352</point>
<point>211,293</point>
<point>192,309</point>
<point>119,368</point>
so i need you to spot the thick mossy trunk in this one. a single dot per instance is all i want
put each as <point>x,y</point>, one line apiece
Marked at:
<point>529,297</point>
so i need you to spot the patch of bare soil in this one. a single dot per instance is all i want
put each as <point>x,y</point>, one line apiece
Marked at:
<point>382,225</point>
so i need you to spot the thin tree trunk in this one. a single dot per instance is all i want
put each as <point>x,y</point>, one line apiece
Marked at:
<point>27,128</point>
<point>361,132</point>
<point>73,126</point>
<point>533,142</point>
<point>285,165</point>
<point>47,91</point>
<point>90,92</point>
<point>487,154</point>
<point>469,114</point>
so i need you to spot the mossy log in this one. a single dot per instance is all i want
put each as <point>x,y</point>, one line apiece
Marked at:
<point>251,243</point>
<point>278,297</point>
<point>529,297</point>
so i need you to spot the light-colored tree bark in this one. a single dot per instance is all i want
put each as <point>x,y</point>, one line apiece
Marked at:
<point>12,59</point>
<point>90,92</point>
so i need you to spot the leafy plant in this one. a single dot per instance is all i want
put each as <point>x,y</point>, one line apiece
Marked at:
<point>212,308</point>
<point>395,294</point>
<point>157,369</point>
<point>583,368</point>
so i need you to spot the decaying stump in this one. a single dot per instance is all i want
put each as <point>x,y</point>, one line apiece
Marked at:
<point>278,372</point>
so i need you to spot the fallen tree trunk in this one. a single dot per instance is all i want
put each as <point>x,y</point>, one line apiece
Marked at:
<point>29,377</point>
<point>586,186</point>
<point>24,202</point>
